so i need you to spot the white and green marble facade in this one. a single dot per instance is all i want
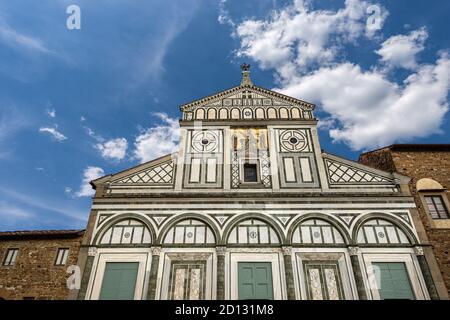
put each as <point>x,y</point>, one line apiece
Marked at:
<point>189,219</point>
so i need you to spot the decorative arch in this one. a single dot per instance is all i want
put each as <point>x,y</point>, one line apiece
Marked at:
<point>247,113</point>
<point>382,229</point>
<point>223,113</point>
<point>322,221</point>
<point>200,114</point>
<point>271,113</point>
<point>235,114</point>
<point>259,113</point>
<point>295,113</point>
<point>193,223</point>
<point>284,114</point>
<point>127,229</point>
<point>261,230</point>
<point>212,113</point>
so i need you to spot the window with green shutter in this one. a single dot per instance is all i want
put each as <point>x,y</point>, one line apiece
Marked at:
<point>119,281</point>
<point>393,280</point>
<point>255,280</point>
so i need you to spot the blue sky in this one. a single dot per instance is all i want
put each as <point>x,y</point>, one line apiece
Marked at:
<point>76,104</point>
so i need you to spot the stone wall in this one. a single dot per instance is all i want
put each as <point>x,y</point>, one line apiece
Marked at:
<point>419,164</point>
<point>34,274</point>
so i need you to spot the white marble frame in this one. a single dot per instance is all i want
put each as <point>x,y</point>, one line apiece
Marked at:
<point>165,263</point>
<point>345,269</point>
<point>405,255</point>
<point>231,272</point>
<point>141,255</point>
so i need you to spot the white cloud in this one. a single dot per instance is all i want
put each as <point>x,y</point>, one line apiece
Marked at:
<point>89,174</point>
<point>296,37</point>
<point>93,135</point>
<point>113,149</point>
<point>53,132</point>
<point>11,121</point>
<point>401,50</point>
<point>82,119</point>
<point>51,113</point>
<point>371,111</point>
<point>12,212</point>
<point>224,16</point>
<point>14,38</point>
<point>364,108</point>
<point>157,141</point>
<point>28,200</point>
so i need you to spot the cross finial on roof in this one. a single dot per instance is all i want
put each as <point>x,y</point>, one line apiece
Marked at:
<point>246,81</point>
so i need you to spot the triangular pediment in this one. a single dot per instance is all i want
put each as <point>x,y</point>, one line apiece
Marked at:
<point>341,171</point>
<point>158,172</point>
<point>247,102</point>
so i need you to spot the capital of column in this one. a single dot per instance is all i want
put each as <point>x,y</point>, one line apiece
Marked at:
<point>92,251</point>
<point>156,251</point>
<point>353,251</point>
<point>418,251</point>
<point>287,250</point>
<point>221,250</point>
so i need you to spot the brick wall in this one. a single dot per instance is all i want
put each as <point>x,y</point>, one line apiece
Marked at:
<point>34,273</point>
<point>417,165</point>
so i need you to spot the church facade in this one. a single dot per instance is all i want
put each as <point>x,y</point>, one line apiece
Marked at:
<point>250,207</point>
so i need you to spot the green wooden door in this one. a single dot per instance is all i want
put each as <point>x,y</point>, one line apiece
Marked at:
<point>393,280</point>
<point>255,280</point>
<point>119,281</point>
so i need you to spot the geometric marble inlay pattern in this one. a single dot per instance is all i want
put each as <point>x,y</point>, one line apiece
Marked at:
<point>316,231</point>
<point>159,174</point>
<point>265,168</point>
<point>379,231</point>
<point>235,170</point>
<point>339,172</point>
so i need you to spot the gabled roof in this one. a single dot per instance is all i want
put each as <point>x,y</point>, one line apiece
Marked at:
<point>416,147</point>
<point>225,93</point>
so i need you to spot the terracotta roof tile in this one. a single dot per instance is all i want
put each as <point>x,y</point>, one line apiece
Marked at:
<point>40,234</point>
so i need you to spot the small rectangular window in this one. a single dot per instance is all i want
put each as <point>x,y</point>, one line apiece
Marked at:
<point>436,207</point>
<point>10,257</point>
<point>250,172</point>
<point>61,256</point>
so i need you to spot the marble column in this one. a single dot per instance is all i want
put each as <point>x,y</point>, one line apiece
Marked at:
<point>221,251</point>
<point>354,258</point>
<point>151,294</point>
<point>288,271</point>
<point>92,251</point>
<point>426,273</point>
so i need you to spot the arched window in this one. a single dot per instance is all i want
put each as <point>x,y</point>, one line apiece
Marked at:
<point>253,231</point>
<point>129,231</point>
<point>434,199</point>
<point>190,231</point>
<point>316,231</point>
<point>379,231</point>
